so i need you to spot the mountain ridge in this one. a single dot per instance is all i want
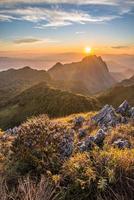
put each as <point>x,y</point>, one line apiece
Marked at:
<point>92,70</point>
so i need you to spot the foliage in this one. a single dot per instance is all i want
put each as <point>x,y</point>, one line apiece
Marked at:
<point>116,95</point>
<point>42,99</point>
<point>28,189</point>
<point>37,147</point>
<point>13,82</point>
<point>101,173</point>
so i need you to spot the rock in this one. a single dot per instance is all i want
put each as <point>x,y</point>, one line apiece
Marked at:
<point>78,121</point>
<point>106,117</point>
<point>81,133</point>
<point>121,144</point>
<point>87,144</point>
<point>100,136</point>
<point>82,147</point>
<point>13,131</point>
<point>123,120</point>
<point>131,112</point>
<point>67,145</point>
<point>123,108</point>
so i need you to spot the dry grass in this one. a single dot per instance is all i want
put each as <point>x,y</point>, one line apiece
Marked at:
<point>27,189</point>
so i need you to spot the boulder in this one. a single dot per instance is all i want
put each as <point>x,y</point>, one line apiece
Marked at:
<point>87,144</point>
<point>123,108</point>
<point>13,131</point>
<point>67,145</point>
<point>78,121</point>
<point>106,117</point>
<point>121,144</point>
<point>100,136</point>
<point>131,112</point>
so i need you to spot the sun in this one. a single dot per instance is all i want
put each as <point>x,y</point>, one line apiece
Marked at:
<point>88,50</point>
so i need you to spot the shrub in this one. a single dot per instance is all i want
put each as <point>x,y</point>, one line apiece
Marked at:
<point>37,147</point>
<point>122,132</point>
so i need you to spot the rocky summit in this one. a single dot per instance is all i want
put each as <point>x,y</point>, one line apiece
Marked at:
<point>91,71</point>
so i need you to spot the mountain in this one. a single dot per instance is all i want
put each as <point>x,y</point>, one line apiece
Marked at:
<point>43,98</point>
<point>119,71</point>
<point>119,61</point>
<point>76,87</point>
<point>13,82</point>
<point>92,71</point>
<point>116,95</point>
<point>128,82</point>
<point>118,76</point>
<point>115,66</point>
<point>128,73</point>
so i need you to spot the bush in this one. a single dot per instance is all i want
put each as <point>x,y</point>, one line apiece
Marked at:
<point>37,147</point>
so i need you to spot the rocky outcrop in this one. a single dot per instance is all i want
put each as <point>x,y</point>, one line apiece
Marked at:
<point>106,117</point>
<point>124,108</point>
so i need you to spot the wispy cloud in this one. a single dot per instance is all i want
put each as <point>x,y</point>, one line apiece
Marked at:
<point>80,32</point>
<point>104,2</point>
<point>54,17</point>
<point>58,16</point>
<point>26,40</point>
<point>8,18</point>
<point>121,47</point>
<point>34,40</point>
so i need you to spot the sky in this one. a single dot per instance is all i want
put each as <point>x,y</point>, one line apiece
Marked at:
<point>37,27</point>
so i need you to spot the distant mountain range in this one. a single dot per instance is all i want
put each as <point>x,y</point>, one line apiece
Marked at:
<point>128,82</point>
<point>120,72</point>
<point>92,71</point>
<point>62,90</point>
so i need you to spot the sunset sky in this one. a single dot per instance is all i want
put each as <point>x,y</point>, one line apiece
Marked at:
<point>59,26</point>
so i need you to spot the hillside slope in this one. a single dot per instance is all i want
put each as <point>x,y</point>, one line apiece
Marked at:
<point>83,156</point>
<point>116,95</point>
<point>44,99</point>
<point>13,82</point>
<point>128,82</point>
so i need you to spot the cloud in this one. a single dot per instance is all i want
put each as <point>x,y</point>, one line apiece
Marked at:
<point>59,16</point>
<point>26,40</point>
<point>80,2</point>
<point>80,32</point>
<point>54,17</point>
<point>120,47</point>
<point>34,40</point>
<point>4,17</point>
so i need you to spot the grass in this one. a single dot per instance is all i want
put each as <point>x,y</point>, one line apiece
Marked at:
<point>42,99</point>
<point>116,95</point>
<point>103,173</point>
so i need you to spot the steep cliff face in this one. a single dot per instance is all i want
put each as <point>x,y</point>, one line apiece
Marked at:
<point>92,71</point>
